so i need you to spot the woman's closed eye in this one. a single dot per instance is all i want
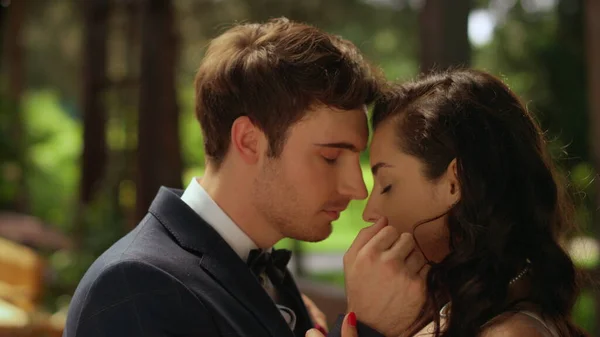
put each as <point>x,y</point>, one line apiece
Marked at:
<point>386,189</point>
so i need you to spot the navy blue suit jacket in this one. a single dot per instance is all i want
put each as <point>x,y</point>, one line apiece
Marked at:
<point>173,275</point>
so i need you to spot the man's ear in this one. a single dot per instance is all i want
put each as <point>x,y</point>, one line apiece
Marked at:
<point>247,140</point>
<point>453,190</point>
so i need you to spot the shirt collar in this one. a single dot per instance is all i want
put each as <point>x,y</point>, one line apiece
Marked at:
<point>196,197</point>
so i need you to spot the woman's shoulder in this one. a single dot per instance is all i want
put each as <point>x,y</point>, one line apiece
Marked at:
<point>520,323</point>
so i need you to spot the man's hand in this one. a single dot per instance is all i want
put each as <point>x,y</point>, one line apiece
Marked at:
<point>385,278</point>
<point>316,314</point>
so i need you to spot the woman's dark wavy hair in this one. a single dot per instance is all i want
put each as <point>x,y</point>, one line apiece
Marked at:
<point>512,206</point>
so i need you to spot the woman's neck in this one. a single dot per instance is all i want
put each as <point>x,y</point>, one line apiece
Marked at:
<point>519,295</point>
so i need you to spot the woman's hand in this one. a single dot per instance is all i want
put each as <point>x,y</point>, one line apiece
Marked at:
<point>348,328</point>
<point>385,279</point>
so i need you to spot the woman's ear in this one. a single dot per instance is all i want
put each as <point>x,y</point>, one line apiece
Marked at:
<point>453,184</point>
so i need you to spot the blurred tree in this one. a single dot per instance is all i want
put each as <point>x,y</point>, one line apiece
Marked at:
<point>592,34</point>
<point>159,156</point>
<point>14,66</point>
<point>564,69</point>
<point>126,82</point>
<point>53,40</point>
<point>443,34</point>
<point>94,159</point>
<point>3,11</point>
<point>541,55</point>
<point>96,15</point>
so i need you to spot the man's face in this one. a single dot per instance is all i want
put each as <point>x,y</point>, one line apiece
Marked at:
<point>317,174</point>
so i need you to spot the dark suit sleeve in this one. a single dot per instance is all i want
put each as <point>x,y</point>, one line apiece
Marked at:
<point>363,329</point>
<point>135,299</point>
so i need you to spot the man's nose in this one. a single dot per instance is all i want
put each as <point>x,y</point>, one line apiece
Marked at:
<point>352,185</point>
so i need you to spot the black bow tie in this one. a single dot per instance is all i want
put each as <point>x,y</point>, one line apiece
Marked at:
<point>272,263</point>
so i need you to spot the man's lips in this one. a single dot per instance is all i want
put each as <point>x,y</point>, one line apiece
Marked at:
<point>334,213</point>
<point>334,209</point>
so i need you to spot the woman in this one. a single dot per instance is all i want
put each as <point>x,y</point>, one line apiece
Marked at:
<point>459,162</point>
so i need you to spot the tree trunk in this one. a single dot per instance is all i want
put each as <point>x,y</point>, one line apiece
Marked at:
<point>14,66</point>
<point>443,34</point>
<point>93,161</point>
<point>158,157</point>
<point>129,96</point>
<point>592,12</point>
<point>3,35</point>
<point>96,14</point>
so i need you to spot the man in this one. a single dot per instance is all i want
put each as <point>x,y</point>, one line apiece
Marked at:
<point>282,110</point>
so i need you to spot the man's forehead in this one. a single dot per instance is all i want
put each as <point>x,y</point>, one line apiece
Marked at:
<point>354,147</point>
<point>334,126</point>
<point>356,134</point>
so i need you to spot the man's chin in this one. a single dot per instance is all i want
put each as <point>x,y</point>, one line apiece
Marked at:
<point>316,236</point>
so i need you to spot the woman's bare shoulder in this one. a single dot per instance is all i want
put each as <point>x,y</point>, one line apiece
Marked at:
<point>515,325</point>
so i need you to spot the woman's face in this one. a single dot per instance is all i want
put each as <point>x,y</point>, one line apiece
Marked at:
<point>405,196</point>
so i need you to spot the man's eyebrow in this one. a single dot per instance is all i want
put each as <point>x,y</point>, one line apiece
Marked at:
<point>377,166</point>
<point>340,145</point>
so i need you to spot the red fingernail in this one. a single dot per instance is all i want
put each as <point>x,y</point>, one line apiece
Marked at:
<point>352,319</point>
<point>320,328</point>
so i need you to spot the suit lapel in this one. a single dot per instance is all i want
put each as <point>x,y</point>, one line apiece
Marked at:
<point>218,259</point>
<point>289,288</point>
<point>245,288</point>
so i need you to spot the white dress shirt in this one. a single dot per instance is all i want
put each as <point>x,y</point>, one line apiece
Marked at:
<point>198,199</point>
